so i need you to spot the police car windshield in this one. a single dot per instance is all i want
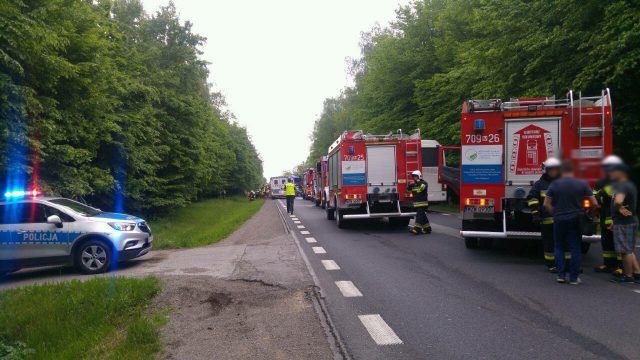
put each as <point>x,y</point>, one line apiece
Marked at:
<point>77,207</point>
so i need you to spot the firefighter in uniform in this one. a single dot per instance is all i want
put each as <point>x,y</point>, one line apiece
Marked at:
<point>612,261</point>
<point>290,193</point>
<point>539,213</point>
<point>419,190</point>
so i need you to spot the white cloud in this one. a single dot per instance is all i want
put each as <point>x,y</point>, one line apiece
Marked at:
<point>276,61</point>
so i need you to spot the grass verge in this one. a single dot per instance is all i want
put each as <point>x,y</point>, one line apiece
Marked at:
<point>445,207</point>
<point>202,223</point>
<point>101,318</point>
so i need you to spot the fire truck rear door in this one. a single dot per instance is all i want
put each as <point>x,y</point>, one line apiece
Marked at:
<point>381,167</point>
<point>529,142</point>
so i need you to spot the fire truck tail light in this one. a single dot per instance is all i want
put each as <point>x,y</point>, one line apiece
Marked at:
<point>479,201</point>
<point>352,196</point>
<point>587,204</point>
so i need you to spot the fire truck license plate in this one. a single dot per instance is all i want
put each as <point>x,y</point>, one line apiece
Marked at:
<point>479,209</point>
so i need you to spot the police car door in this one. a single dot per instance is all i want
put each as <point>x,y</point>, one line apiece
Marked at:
<point>32,236</point>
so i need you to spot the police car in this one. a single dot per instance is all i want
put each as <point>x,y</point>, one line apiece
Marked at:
<point>39,230</point>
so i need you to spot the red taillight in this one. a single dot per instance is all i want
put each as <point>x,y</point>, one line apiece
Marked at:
<point>587,204</point>
<point>352,196</point>
<point>479,201</point>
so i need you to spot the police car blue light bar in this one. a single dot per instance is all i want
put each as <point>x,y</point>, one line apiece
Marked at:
<point>20,193</point>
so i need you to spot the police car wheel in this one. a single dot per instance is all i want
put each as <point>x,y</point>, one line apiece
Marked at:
<point>93,257</point>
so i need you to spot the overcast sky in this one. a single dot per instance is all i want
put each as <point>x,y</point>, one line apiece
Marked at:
<point>276,61</point>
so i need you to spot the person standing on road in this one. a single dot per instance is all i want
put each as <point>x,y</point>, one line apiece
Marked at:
<point>540,214</point>
<point>564,201</point>
<point>625,222</point>
<point>290,193</point>
<point>603,191</point>
<point>419,189</point>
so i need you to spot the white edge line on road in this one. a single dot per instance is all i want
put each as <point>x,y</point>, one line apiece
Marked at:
<point>319,250</point>
<point>348,289</point>
<point>311,240</point>
<point>300,226</point>
<point>380,332</point>
<point>330,265</point>
<point>304,232</point>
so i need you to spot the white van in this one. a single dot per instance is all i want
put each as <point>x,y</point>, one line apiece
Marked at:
<point>437,191</point>
<point>278,187</point>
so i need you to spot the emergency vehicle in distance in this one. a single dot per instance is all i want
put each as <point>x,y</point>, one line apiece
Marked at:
<point>320,182</point>
<point>307,184</point>
<point>277,184</point>
<point>368,176</point>
<point>503,146</point>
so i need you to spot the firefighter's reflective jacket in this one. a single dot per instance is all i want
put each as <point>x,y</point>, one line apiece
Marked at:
<point>536,196</point>
<point>603,193</point>
<point>290,189</point>
<point>419,190</point>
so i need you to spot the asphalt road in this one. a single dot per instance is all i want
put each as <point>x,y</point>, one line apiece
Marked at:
<point>417,297</point>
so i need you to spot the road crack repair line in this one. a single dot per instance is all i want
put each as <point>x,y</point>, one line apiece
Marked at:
<point>348,289</point>
<point>379,331</point>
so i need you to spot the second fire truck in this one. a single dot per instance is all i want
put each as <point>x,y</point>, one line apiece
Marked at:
<point>368,176</point>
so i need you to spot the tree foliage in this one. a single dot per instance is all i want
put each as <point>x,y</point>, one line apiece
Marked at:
<point>418,71</point>
<point>100,100</point>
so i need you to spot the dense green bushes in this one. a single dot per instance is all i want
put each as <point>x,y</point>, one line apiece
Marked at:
<point>417,72</point>
<point>101,101</point>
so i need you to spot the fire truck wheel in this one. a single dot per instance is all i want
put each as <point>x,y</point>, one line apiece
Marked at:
<point>399,222</point>
<point>330,213</point>
<point>584,247</point>
<point>485,243</point>
<point>339,219</point>
<point>471,243</point>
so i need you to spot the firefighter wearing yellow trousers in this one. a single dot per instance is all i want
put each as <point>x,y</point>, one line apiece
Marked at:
<point>419,189</point>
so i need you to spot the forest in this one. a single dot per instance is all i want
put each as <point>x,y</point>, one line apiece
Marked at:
<point>417,72</point>
<point>102,102</point>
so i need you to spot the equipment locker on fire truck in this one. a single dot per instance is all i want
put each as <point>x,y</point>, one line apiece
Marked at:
<point>368,176</point>
<point>503,147</point>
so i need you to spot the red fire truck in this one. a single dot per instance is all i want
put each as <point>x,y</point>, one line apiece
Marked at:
<point>320,182</point>
<point>307,184</point>
<point>503,147</point>
<point>368,176</point>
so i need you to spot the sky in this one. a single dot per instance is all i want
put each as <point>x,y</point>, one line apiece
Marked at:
<point>276,61</point>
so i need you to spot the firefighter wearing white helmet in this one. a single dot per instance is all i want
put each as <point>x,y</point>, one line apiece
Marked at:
<point>611,261</point>
<point>419,190</point>
<point>539,214</point>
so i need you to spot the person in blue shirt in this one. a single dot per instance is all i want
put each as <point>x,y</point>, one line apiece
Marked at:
<point>565,201</point>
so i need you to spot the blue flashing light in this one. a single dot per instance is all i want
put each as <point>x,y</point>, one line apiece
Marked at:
<point>14,194</point>
<point>478,124</point>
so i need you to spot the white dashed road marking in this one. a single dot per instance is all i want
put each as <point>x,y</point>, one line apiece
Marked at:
<point>330,265</point>
<point>636,291</point>
<point>348,289</point>
<point>380,332</point>
<point>304,232</point>
<point>319,250</point>
<point>311,240</point>
<point>292,216</point>
<point>296,222</point>
<point>300,226</point>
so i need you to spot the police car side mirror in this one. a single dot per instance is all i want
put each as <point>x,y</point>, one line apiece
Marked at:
<point>55,220</point>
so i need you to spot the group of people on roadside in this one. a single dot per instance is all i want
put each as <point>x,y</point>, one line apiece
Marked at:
<point>558,201</point>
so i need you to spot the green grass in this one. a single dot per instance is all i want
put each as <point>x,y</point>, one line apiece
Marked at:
<point>101,318</point>
<point>202,223</point>
<point>444,207</point>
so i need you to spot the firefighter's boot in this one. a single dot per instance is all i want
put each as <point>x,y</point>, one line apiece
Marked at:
<point>426,229</point>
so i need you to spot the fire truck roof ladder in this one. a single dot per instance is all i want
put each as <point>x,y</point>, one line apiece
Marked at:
<point>595,102</point>
<point>411,149</point>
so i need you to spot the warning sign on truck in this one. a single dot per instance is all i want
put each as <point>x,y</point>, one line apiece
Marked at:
<point>528,145</point>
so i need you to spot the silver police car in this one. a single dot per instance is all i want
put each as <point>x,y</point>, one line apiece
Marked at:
<point>39,231</point>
